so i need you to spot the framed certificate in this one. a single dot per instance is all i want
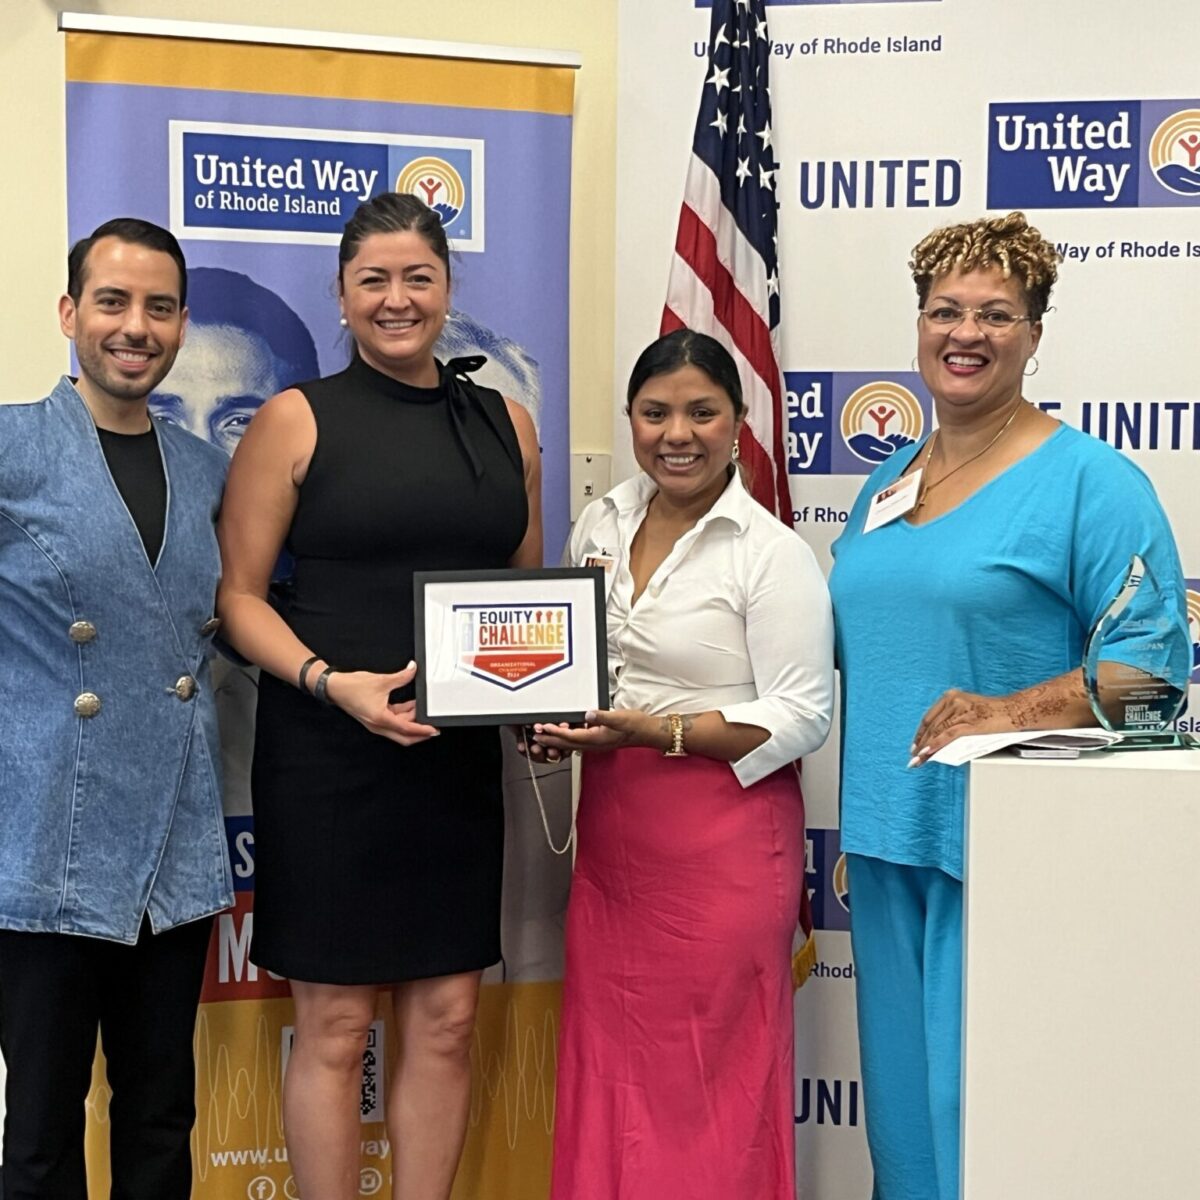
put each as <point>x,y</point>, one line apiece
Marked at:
<point>510,647</point>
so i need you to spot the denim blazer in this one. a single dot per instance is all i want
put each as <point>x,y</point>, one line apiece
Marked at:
<point>110,799</point>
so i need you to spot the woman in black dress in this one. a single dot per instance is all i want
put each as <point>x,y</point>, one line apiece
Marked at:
<point>378,840</point>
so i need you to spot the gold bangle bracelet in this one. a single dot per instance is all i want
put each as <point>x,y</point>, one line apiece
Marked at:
<point>675,725</point>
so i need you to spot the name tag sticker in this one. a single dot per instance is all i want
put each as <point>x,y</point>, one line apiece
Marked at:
<point>898,499</point>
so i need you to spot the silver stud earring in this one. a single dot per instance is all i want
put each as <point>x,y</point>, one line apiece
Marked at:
<point>1032,359</point>
<point>342,322</point>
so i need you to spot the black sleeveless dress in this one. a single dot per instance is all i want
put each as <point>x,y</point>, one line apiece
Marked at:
<point>376,862</point>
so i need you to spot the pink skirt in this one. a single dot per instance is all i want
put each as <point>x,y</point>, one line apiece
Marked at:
<point>675,1068</point>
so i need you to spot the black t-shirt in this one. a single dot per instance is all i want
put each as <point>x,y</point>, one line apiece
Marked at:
<point>137,470</point>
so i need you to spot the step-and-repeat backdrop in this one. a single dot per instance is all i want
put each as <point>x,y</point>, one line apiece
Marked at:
<point>255,155</point>
<point>890,118</point>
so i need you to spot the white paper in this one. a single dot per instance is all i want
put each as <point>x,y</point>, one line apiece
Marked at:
<point>976,745</point>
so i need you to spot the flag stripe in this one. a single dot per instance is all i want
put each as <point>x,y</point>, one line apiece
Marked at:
<point>697,246</point>
<point>724,277</point>
<point>690,305</point>
<point>739,257</point>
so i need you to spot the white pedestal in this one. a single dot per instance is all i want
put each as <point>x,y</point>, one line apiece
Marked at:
<point>1081,1023</point>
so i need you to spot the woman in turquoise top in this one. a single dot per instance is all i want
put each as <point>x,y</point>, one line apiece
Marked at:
<point>967,614</point>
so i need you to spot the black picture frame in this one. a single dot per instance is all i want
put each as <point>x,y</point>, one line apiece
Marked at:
<point>576,591</point>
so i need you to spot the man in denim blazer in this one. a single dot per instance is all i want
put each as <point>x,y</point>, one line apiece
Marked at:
<point>112,847</point>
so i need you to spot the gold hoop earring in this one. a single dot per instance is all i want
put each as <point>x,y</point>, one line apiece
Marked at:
<point>737,450</point>
<point>1032,359</point>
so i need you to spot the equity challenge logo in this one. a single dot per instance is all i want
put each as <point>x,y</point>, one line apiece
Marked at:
<point>1094,154</point>
<point>268,183</point>
<point>848,422</point>
<point>511,645</point>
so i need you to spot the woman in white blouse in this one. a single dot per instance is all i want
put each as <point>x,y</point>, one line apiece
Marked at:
<point>675,1073</point>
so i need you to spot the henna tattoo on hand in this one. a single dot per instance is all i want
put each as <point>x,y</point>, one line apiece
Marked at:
<point>972,713</point>
<point>1028,708</point>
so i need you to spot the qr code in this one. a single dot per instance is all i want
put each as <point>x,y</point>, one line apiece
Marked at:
<point>370,1101</point>
<point>370,1106</point>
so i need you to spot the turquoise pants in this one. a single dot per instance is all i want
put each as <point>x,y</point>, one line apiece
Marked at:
<point>906,928</point>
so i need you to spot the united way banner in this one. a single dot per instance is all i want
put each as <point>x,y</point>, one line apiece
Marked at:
<point>892,117</point>
<point>255,155</point>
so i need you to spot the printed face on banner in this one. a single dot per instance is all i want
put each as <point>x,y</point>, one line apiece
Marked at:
<point>510,368</point>
<point>244,344</point>
<point>216,388</point>
<point>1094,154</point>
<point>848,422</point>
<point>513,646</point>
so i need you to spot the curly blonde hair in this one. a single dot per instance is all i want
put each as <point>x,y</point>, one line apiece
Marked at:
<point>1010,243</point>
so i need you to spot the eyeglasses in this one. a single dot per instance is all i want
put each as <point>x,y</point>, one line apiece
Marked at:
<point>992,320</point>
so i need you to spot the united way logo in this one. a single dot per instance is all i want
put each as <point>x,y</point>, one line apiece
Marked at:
<point>447,174</point>
<point>841,882</point>
<point>513,646</point>
<point>1193,615</point>
<point>1094,154</point>
<point>880,418</point>
<point>437,183</point>
<point>847,422</point>
<point>825,876</point>
<point>1174,152</point>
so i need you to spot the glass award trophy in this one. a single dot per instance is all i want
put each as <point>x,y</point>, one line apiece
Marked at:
<point>1137,664</point>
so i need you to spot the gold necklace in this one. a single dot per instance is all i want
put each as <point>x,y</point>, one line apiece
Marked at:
<point>926,488</point>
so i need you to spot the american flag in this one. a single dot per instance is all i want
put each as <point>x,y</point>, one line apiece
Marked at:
<point>725,273</point>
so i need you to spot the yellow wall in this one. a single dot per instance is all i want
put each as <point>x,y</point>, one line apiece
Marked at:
<point>33,196</point>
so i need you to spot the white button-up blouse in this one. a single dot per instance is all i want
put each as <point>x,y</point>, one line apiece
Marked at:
<point>737,618</point>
